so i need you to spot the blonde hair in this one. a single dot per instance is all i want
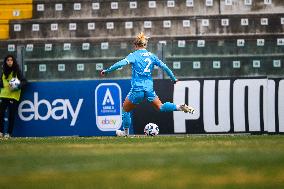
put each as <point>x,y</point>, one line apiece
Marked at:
<point>141,40</point>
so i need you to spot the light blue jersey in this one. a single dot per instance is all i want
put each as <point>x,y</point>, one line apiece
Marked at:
<point>142,62</point>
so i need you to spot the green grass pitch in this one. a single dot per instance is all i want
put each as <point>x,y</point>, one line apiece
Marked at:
<point>166,162</point>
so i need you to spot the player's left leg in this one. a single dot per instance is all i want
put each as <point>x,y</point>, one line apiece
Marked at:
<point>133,98</point>
<point>128,106</point>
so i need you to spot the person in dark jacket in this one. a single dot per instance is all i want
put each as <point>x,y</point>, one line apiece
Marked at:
<point>9,97</point>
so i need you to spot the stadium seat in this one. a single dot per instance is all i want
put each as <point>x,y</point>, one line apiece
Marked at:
<point>4,29</point>
<point>13,10</point>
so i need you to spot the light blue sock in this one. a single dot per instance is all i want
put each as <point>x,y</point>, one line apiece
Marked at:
<point>168,107</point>
<point>126,119</point>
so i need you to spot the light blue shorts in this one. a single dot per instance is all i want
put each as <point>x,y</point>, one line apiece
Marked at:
<point>137,97</point>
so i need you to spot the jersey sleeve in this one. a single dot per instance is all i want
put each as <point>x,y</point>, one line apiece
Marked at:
<point>165,68</point>
<point>130,58</point>
<point>120,63</point>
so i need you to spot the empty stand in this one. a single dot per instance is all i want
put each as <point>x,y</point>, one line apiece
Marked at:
<point>121,9</point>
<point>68,39</point>
<point>245,7</point>
<point>188,58</point>
<point>156,27</point>
<point>66,28</point>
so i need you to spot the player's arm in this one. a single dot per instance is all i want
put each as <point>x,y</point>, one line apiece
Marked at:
<point>166,69</point>
<point>117,65</point>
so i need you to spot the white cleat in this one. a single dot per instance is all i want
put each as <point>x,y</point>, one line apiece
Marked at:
<point>186,109</point>
<point>120,133</point>
<point>126,131</point>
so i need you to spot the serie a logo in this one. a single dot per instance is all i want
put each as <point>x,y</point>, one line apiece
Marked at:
<point>108,106</point>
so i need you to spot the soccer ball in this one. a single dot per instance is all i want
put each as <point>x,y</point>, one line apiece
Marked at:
<point>14,83</point>
<point>151,129</point>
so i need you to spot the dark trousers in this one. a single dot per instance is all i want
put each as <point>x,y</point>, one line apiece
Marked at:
<point>12,106</point>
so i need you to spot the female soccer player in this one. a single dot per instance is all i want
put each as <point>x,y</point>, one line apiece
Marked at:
<point>9,98</point>
<point>143,62</point>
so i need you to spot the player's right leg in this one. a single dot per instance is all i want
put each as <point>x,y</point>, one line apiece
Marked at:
<point>185,108</point>
<point>167,106</point>
<point>170,107</point>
